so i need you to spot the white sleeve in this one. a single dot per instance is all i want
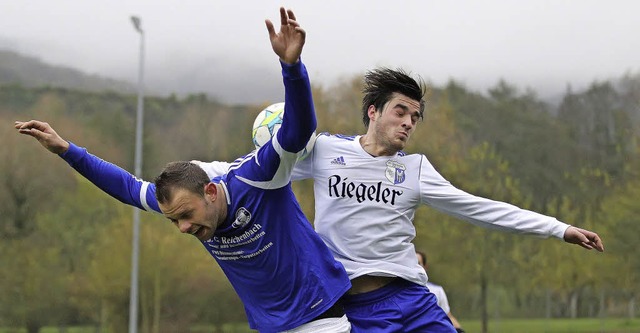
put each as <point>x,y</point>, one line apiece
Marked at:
<point>438,193</point>
<point>441,296</point>
<point>214,168</point>
<point>443,301</point>
<point>304,167</point>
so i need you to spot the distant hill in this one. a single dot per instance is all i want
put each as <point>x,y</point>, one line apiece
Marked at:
<point>229,81</point>
<point>28,71</point>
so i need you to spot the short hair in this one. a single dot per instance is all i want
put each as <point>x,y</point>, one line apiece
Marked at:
<point>180,175</point>
<point>423,255</point>
<point>381,83</point>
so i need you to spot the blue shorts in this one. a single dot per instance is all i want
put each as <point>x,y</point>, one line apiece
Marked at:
<point>400,306</point>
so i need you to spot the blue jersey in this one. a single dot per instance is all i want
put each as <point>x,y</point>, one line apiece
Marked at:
<point>281,269</point>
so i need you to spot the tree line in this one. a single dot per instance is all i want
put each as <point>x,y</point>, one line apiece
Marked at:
<point>66,245</point>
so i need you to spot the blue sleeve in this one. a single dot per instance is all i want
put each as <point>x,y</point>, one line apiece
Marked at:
<point>112,179</point>
<point>299,119</point>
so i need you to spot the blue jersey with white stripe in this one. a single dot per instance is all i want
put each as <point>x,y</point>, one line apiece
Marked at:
<point>283,272</point>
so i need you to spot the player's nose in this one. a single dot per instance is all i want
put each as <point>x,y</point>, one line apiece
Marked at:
<point>407,123</point>
<point>184,226</point>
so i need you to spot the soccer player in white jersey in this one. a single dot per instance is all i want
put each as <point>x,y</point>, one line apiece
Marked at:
<point>366,193</point>
<point>438,290</point>
<point>247,219</point>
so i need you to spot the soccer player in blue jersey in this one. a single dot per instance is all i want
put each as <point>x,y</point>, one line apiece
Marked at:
<point>248,219</point>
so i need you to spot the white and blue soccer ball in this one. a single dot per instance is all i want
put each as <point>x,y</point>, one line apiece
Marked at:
<point>268,122</point>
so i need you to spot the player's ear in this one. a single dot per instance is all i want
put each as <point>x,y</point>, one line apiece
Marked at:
<point>371,112</point>
<point>211,191</point>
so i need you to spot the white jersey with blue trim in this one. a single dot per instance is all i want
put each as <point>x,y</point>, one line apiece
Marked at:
<point>365,206</point>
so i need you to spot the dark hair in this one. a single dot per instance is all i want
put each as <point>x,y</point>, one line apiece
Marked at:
<point>381,83</point>
<point>180,175</point>
<point>423,255</point>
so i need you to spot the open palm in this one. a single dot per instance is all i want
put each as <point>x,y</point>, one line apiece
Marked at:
<point>288,42</point>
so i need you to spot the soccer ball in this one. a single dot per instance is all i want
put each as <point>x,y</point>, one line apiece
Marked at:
<point>268,122</point>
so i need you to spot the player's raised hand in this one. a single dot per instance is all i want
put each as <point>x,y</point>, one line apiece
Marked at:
<point>585,238</point>
<point>287,43</point>
<point>44,133</point>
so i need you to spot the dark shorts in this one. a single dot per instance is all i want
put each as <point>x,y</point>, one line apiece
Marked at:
<point>400,306</point>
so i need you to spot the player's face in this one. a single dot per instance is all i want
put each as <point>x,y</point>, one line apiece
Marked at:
<point>396,123</point>
<point>192,214</point>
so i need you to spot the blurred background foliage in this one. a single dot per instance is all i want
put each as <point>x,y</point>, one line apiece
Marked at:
<point>65,249</point>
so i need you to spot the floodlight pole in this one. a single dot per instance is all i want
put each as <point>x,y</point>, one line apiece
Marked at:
<point>135,251</point>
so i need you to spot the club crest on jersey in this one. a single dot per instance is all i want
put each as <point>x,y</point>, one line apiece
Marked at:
<point>243,216</point>
<point>395,172</point>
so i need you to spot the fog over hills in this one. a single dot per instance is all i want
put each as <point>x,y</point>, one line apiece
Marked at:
<point>30,71</point>
<point>234,81</point>
<point>228,82</point>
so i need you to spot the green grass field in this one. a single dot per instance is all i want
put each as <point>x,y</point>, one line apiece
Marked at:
<point>588,325</point>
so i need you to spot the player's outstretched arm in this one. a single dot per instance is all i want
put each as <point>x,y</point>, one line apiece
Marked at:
<point>585,238</point>
<point>108,177</point>
<point>299,120</point>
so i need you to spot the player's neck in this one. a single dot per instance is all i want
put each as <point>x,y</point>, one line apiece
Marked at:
<point>221,203</point>
<point>373,147</point>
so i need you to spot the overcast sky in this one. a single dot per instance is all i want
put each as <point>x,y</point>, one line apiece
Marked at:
<point>540,44</point>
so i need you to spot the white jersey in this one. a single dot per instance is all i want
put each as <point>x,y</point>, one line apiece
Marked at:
<point>365,206</point>
<point>437,290</point>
